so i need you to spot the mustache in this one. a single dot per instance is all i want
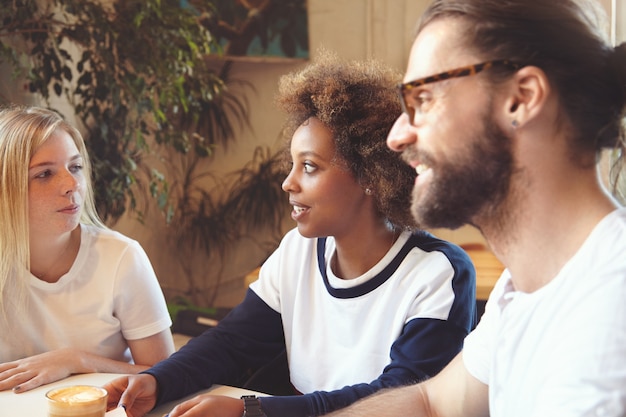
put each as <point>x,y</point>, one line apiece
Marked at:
<point>412,154</point>
<point>409,154</point>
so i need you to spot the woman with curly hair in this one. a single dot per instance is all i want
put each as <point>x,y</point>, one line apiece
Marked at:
<point>357,299</point>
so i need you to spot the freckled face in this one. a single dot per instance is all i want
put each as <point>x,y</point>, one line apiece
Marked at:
<point>56,186</point>
<point>326,198</point>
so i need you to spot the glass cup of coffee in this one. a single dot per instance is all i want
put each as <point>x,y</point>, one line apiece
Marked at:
<point>77,401</point>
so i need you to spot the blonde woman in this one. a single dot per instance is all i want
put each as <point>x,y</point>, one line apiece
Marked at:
<point>75,296</point>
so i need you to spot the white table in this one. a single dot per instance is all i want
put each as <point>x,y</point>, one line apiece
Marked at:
<point>33,403</point>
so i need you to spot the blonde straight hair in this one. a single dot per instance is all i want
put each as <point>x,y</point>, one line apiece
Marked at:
<point>22,131</point>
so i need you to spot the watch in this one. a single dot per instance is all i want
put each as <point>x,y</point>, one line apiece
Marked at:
<point>252,406</point>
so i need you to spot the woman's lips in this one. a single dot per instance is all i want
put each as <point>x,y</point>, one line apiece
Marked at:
<point>298,210</point>
<point>71,209</point>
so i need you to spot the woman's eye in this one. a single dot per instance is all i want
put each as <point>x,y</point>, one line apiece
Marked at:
<point>76,168</point>
<point>308,167</point>
<point>43,174</point>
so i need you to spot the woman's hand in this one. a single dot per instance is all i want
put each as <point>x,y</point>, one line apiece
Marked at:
<point>207,405</point>
<point>28,373</point>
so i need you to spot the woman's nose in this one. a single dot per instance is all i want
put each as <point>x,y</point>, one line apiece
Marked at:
<point>401,134</point>
<point>69,183</point>
<point>289,184</point>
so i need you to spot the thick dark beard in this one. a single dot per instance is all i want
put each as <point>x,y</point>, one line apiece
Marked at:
<point>471,187</point>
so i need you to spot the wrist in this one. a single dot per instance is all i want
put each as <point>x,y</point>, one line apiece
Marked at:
<point>81,362</point>
<point>252,406</point>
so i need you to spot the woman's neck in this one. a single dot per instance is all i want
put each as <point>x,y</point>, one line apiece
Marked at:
<point>361,251</point>
<point>50,259</point>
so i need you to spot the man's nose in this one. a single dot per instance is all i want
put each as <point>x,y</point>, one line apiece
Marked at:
<point>401,134</point>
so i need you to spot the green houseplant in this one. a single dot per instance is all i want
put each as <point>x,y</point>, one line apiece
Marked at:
<point>136,76</point>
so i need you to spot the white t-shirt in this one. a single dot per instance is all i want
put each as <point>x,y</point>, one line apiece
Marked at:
<point>559,351</point>
<point>338,340</point>
<point>109,295</point>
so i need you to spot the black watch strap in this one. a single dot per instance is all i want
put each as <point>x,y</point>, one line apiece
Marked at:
<point>252,406</point>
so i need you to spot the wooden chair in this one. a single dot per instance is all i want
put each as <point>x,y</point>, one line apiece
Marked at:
<point>488,270</point>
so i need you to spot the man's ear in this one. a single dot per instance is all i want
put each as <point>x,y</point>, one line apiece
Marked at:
<point>529,91</point>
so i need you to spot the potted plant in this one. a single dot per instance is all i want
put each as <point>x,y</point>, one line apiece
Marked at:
<point>135,75</point>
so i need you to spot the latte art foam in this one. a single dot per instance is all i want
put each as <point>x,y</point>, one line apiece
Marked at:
<point>77,401</point>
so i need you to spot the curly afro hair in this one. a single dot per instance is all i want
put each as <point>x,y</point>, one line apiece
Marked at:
<point>357,102</point>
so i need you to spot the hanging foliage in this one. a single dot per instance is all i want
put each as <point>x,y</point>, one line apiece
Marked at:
<point>131,70</point>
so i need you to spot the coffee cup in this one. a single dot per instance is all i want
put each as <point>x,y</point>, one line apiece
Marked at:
<point>77,401</point>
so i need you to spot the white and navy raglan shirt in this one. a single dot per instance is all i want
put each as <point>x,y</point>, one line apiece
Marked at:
<point>399,323</point>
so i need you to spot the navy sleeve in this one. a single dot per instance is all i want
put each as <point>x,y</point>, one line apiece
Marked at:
<point>250,336</point>
<point>422,350</point>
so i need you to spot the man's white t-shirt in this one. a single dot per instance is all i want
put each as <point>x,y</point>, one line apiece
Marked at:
<point>559,351</point>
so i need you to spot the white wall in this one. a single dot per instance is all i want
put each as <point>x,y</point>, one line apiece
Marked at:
<point>619,19</point>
